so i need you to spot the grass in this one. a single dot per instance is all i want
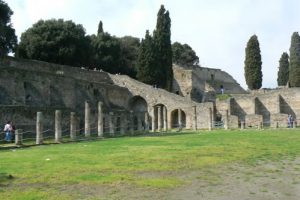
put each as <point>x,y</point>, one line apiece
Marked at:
<point>53,171</point>
<point>223,96</point>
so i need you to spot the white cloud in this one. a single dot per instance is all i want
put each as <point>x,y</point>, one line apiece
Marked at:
<point>217,30</point>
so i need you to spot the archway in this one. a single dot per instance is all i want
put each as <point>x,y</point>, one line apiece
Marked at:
<point>139,106</point>
<point>178,120</point>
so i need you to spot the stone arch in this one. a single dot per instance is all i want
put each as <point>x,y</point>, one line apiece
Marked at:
<point>175,118</point>
<point>4,96</point>
<point>33,96</point>
<point>139,106</point>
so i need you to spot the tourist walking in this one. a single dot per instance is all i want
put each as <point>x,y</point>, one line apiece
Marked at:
<point>7,130</point>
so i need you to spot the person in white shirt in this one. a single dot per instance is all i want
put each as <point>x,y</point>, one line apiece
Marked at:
<point>7,130</point>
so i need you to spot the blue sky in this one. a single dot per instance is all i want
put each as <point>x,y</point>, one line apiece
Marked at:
<point>217,30</point>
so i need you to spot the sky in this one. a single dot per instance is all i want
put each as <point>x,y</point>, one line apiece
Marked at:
<point>217,30</point>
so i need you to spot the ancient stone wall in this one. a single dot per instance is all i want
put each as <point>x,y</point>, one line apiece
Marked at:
<point>34,85</point>
<point>270,107</point>
<point>195,82</point>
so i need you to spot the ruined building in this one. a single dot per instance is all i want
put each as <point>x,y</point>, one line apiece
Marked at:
<point>28,86</point>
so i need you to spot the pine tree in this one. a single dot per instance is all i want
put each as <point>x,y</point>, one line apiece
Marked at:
<point>163,49</point>
<point>283,72</point>
<point>146,68</point>
<point>294,70</point>
<point>253,73</point>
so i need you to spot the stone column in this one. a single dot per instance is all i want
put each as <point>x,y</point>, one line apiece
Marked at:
<point>242,125</point>
<point>194,118</point>
<point>131,122</point>
<point>146,122</point>
<point>87,123</point>
<point>153,119</point>
<point>111,124</point>
<point>39,128</point>
<point>226,120</point>
<point>73,126</point>
<point>159,118</point>
<point>165,118</point>
<point>58,119</point>
<point>210,119</point>
<point>100,119</point>
<point>179,119</point>
<point>18,137</point>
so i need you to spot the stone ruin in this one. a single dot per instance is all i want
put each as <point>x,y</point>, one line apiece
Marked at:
<point>28,87</point>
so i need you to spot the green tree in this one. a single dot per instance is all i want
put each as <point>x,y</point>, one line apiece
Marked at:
<point>283,72</point>
<point>146,68</point>
<point>105,51</point>
<point>129,47</point>
<point>183,54</point>
<point>56,41</point>
<point>8,38</point>
<point>294,70</point>
<point>253,73</point>
<point>163,49</point>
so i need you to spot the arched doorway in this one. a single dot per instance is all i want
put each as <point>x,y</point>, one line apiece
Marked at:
<point>178,119</point>
<point>139,106</point>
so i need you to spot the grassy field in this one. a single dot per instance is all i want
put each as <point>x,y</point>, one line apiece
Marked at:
<point>106,169</point>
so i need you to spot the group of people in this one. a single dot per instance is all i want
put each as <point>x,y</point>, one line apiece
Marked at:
<point>9,130</point>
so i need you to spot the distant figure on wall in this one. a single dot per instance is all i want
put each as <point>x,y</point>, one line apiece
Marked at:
<point>7,129</point>
<point>222,89</point>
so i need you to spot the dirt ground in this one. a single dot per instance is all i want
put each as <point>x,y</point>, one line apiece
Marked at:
<point>264,181</point>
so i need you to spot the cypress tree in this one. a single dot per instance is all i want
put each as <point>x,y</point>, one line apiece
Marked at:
<point>294,75</point>
<point>100,28</point>
<point>253,73</point>
<point>283,72</point>
<point>163,49</point>
<point>146,67</point>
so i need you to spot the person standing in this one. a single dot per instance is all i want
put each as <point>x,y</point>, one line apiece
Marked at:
<point>7,130</point>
